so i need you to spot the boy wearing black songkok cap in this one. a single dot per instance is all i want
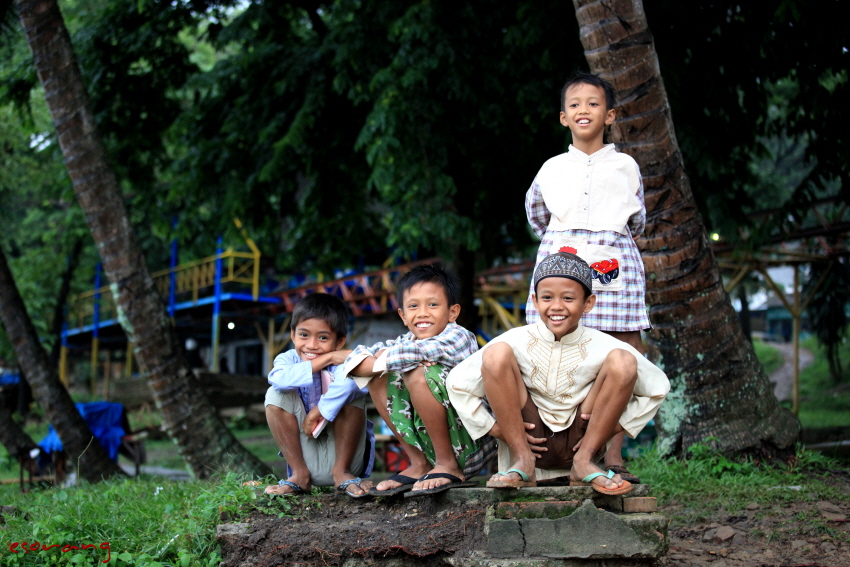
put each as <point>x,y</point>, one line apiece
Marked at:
<point>541,380</point>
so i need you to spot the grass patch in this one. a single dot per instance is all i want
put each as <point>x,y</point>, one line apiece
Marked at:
<point>769,356</point>
<point>708,482</point>
<point>823,403</point>
<point>148,522</point>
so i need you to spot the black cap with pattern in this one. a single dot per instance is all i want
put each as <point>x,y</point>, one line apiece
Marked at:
<point>564,264</point>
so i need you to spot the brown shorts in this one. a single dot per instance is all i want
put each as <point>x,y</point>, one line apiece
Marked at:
<point>560,445</point>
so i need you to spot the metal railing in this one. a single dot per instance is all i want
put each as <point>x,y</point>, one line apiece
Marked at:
<point>192,281</point>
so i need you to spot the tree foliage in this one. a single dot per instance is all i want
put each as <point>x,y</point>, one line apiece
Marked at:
<point>753,90</point>
<point>827,309</point>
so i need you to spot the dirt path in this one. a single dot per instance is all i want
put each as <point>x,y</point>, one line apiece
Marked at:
<point>797,534</point>
<point>783,377</point>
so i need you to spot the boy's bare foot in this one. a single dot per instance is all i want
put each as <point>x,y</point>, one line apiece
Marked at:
<point>526,465</point>
<point>430,483</point>
<point>353,489</point>
<point>296,484</point>
<point>415,471</point>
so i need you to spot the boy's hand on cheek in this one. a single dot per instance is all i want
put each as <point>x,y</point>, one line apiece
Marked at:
<point>311,421</point>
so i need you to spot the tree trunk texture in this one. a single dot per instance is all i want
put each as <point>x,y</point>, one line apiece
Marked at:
<point>205,443</point>
<point>13,436</point>
<point>54,399</point>
<point>62,299</point>
<point>719,389</point>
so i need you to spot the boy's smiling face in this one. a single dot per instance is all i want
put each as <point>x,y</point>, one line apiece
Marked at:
<point>586,115</point>
<point>561,304</point>
<point>313,337</point>
<point>426,310</point>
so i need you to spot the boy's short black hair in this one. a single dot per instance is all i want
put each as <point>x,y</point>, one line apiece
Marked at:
<point>328,308</point>
<point>580,78</point>
<point>429,273</point>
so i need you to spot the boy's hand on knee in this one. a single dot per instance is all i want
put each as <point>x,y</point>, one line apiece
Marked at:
<point>427,363</point>
<point>311,421</point>
<point>534,443</point>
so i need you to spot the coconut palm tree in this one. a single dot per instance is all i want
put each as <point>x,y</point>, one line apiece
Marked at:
<point>719,389</point>
<point>93,461</point>
<point>205,442</point>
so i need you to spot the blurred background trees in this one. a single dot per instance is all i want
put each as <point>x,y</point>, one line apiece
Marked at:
<point>345,132</point>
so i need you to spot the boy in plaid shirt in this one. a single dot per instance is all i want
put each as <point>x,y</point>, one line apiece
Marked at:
<point>406,379</point>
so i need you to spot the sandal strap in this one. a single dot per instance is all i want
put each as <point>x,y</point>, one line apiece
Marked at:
<point>591,476</point>
<point>296,489</point>
<point>344,484</point>
<point>521,474</point>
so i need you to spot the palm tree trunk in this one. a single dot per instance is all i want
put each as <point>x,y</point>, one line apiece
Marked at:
<point>719,389</point>
<point>54,399</point>
<point>193,424</point>
<point>13,436</point>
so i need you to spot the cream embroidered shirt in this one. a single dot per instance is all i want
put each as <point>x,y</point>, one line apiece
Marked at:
<point>558,376</point>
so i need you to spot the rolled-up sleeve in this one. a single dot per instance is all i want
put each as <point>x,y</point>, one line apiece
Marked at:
<point>448,348</point>
<point>358,355</point>
<point>290,372</point>
<point>341,392</point>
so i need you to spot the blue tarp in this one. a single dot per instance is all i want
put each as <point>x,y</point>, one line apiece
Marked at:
<point>105,421</point>
<point>9,378</point>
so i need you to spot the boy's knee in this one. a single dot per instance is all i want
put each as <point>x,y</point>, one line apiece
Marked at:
<point>496,357</point>
<point>276,414</point>
<point>623,363</point>
<point>415,376</point>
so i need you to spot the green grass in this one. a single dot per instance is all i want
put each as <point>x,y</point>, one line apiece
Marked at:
<point>769,356</point>
<point>9,465</point>
<point>823,403</point>
<point>708,482</point>
<point>147,522</point>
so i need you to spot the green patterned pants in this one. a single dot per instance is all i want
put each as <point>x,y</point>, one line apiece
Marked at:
<point>471,455</point>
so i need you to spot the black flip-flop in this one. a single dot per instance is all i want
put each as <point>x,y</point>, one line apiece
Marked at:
<point>455,483</point>
<point>406,484</point>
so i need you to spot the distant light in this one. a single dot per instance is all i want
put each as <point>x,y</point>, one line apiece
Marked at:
<point>714,236</point>
<point>231,325</point>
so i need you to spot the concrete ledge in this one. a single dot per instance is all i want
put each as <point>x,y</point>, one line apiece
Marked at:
<point>538,494</point>
<point>527,510</point>
<point>587,533</point>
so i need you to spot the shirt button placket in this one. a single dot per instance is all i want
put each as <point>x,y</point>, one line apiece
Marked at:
<point>554,359</point>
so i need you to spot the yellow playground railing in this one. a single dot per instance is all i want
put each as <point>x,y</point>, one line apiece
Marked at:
<point>495,319</point>
<point>191,281</point>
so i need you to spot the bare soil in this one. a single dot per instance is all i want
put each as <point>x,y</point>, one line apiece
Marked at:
<point>811,534</point>
<point>328,530</point>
